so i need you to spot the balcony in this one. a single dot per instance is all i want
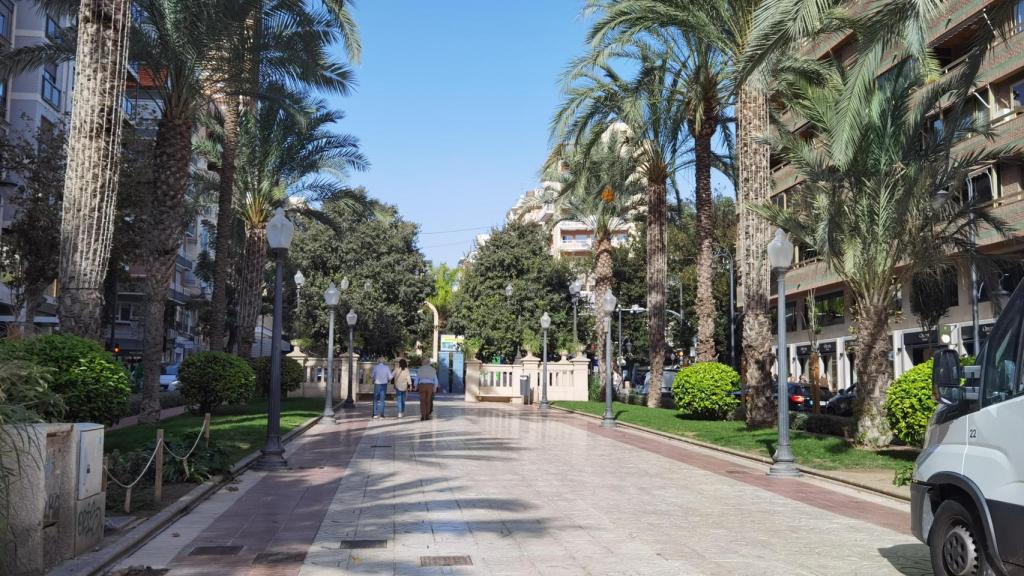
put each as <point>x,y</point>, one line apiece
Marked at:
<point>785,177</point>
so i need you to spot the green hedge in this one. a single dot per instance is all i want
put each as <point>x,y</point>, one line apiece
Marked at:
<point>704,390</point>
<point>211,379</point>
<point>292,374</point>
<point>93,385</point>
<point>909,405</point>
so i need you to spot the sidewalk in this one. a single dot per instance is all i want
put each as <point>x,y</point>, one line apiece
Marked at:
<point>493,489</point>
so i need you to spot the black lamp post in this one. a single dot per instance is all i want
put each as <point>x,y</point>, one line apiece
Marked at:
<point>780,255</point>
<point>280,231</point>
<point>545,323</point>
<point>574,290</point>
<point>331,298</point>
<point>351,318</point>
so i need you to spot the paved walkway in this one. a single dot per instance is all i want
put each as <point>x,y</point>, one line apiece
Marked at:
<point>512,491</point>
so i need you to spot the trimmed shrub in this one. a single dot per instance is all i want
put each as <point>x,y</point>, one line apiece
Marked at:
<point>704,390</point>
<point>93,385</point>
<point>292,374</point>
<point>211,379</point>
<point>909,404</point>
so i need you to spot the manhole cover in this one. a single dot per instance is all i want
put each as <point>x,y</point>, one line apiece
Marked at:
<point>215,551</point>
<point>280,558</point>
<point>361,544</point>
<point>446,561</point>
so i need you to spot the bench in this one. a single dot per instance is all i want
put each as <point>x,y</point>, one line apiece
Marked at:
<point>501,398</point>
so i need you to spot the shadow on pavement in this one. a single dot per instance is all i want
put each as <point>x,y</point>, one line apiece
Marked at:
<point>909,559</point>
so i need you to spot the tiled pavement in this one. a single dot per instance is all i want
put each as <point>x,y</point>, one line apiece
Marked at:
<point>519,492</point>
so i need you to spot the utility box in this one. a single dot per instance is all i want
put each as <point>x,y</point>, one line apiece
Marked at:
<point>524,389</point>
<point>90,501</point>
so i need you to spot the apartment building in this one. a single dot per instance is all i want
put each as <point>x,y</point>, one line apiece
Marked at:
<point>998,101</point>
<point>28,101</point>
<point>569,238</point>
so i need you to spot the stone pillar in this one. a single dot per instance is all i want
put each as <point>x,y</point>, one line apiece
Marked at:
<point>531,368</point>
<point>580,378</point>
<point>473,369</point>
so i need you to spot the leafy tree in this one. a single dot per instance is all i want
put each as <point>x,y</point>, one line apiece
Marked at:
<point>517,254</point>
<point>389,278</point>
<point>30,251</point>
<point>875,215</point>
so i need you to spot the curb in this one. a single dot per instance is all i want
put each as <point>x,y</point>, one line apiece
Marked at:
<point>761,459</point>
<point>97,562</point>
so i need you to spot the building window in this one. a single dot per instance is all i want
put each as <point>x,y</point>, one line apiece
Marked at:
<point>3,99</point>
<point>51,93</point>
<point>53,30</point>
<point>1017,95</point>
<point>5,19</point>
<point>981,187</point>
<point>1018,17</point>
<point>125,313</point>
<point>830,309</point>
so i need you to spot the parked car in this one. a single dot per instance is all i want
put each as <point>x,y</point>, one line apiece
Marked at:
<point>169,376</point>
<point>842,403</point>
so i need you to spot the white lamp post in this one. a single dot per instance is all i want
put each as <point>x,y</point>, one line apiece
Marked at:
<point>780,255</point>
<point>280,231</point>
<point>545,323</point>
<point>351,318</point>
<point>574,291</point>
<point>299,281</point>
<point>608,303</point>
<point>331,298</point>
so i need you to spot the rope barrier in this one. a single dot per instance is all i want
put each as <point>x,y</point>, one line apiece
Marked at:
<point>152,457</point>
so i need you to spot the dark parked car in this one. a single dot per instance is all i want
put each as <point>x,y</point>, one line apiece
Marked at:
<point>842,403</point>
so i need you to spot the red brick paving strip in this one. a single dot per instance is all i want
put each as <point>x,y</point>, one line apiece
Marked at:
<point>794,489</point>
<point>282,513</point>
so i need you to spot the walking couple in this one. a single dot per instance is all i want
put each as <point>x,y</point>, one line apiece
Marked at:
<point>402,380</point>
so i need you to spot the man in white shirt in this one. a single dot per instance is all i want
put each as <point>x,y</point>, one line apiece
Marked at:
<point>381,376</point>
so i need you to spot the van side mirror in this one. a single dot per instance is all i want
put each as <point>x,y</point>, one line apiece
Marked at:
<point>946,374</point>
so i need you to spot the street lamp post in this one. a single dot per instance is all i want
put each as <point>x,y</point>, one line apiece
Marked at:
<point>780,255</point>
<point>727,256</point>
<point>351,318</point>
<point>300,280</point>
<point>331,297</point>
<point>574,290</point>
<point>280,231</point>
<point>509,290</point>
<point>545,323</point>
<point>609,302</point>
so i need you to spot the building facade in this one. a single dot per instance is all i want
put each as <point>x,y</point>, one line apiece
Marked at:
<point>998,102</point>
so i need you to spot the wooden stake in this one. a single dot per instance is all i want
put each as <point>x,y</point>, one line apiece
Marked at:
<point>158,487</point>
<point>106,467</point>
<point>206,428</point>
<point>128,501</point>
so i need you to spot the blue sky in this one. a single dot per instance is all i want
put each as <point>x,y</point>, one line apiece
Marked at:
<point>453,104</point>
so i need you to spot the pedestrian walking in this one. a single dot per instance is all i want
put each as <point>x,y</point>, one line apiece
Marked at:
<point>381,376</point>
<point>402,379</point>
<point>427,382</point>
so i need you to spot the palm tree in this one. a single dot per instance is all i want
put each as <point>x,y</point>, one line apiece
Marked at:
<point>598,97</point>
<point>602,189</point>
<point>874,211</point>
<point>283,156</point>
<point>704,101</point>
<point>174,43</point>
<point>279,43</point>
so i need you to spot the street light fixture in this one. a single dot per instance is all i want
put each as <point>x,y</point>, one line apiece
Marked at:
<point>508,290</point>
<point>351,318</point>
<point>608,303</point>
<point>574,291</point>
<point>545,323</point>
<point>299,281</point>
<point>280,231</point>
<point>780,255</point>
<point>331,298</point>
<point>344,284</point>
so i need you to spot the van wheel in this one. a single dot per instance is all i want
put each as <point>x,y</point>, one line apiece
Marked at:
<point>957,543</point>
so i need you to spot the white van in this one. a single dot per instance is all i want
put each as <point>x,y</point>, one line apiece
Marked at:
<point>968,485</point>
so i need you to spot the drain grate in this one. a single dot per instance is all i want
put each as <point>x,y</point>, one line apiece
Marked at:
<point>215,551</point>
<point>280,558</point>
<point>363,544</point>
<point>446,561</point>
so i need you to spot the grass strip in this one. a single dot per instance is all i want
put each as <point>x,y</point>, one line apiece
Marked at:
<point>815,451</point>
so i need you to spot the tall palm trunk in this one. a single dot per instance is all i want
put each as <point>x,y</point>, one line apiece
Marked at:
<point>165,216</point>
<point>657,270</point>
<point>874,373</point>
<point>225,224</point>
<point>94,158</point>
<point>251,287</point>
<point>603,274</point>
<point>705,301</point>
<point>755,188</point>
